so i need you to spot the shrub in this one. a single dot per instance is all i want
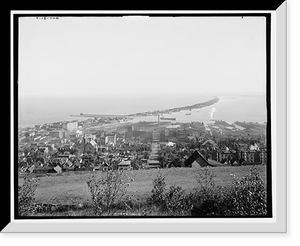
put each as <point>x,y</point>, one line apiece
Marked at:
<point>172,201</point>
<point>205,179</point>
<point>247,195</point>
<point>107,191</point>
<point>26,194</point>
<point>207,197</point>
<point>175,200</point>
<point>158,191</point>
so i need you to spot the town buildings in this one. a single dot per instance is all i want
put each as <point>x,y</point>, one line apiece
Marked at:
<point>111,139</point>
<point>78,146</point>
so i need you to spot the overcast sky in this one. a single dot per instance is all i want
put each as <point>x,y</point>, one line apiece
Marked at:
<point>91,56</point>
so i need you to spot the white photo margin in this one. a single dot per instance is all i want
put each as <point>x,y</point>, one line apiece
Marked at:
<point>277,224</point>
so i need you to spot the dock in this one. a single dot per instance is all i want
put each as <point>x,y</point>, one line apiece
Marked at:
<point>100,115</point>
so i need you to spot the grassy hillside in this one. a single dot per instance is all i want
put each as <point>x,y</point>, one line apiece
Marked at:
<point>71,187</point>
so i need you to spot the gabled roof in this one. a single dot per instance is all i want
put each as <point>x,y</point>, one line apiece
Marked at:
<point>196,156</point>
<point>210,142</point>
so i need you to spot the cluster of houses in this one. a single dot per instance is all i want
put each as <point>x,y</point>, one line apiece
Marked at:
<point>243,154</point>
<point>65,161</point>
<point>177,155</point>
<point>69,146</point>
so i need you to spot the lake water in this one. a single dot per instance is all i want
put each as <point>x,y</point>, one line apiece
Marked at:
<point>41,110</point>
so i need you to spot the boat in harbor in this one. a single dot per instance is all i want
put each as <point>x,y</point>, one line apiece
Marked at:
<point>167,118</point>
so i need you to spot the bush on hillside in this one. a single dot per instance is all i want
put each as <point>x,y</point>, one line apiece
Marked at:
<point>158,191</point>
<point>246,196</point>
<point>172,201</point>
<point>26,193</point>
<point>206,199</point>
<point>107,191</point>
<point>175,201</point>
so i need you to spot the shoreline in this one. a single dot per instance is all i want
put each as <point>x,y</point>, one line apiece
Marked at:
<point>178,109</point>
<point>137,115</point>
<point>154,112</point>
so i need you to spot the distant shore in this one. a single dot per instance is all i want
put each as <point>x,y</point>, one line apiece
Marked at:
<point>178,109</point>
<point>155,112</point>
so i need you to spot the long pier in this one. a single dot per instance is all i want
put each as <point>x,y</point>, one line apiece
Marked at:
<point>100,115</point>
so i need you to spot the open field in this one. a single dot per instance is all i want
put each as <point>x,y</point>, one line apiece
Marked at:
<point>71,187</point>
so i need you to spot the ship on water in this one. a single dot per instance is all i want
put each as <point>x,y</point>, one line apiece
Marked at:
<point>167,118</point>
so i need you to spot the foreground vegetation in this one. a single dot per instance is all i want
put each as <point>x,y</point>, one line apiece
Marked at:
<point>203,192</point>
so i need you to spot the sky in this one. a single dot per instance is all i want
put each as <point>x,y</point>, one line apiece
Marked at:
<point>91,56</point>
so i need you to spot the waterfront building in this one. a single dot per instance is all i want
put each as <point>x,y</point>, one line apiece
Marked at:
<point>72,126</point>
